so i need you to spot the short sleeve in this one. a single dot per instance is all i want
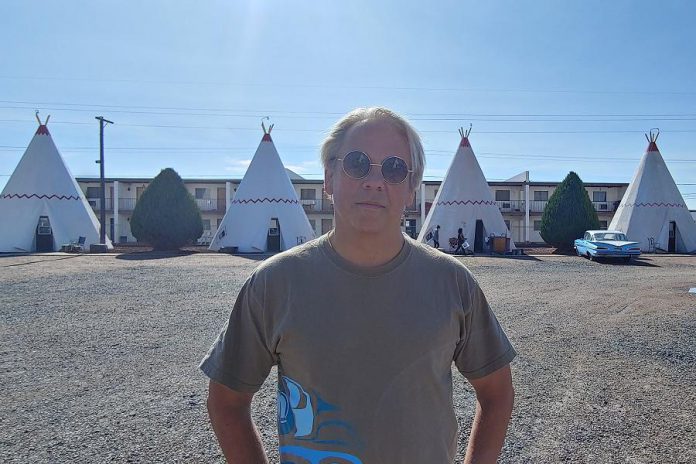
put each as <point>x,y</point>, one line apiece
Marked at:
<point>241,357</point>
<point>484,347</point>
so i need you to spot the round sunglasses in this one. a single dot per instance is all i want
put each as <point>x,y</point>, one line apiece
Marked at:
<point>357,165</point>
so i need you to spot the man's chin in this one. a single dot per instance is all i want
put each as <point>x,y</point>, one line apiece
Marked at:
<point>374,226</point>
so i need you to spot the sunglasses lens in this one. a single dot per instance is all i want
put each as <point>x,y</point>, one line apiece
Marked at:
<point>356,164</point>
<point>394,170</point>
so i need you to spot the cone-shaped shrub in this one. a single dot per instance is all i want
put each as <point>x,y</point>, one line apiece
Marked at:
<point>568,214</point>
<point>166,215</point>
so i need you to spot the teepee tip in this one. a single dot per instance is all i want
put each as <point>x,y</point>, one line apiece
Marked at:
<point>43,129</point>
<point>651,137</point>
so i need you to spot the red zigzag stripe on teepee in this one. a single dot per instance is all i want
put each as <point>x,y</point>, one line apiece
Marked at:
<point>654,205</point>
<point>466,202</point>
<point>33,195</point>
<point>265,199</point>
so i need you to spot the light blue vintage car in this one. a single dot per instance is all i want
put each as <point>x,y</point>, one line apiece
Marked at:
<point>606,244</point>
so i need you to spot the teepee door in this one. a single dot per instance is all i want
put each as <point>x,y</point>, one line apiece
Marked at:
<point>671,245</point>
<point>273,240</point>
<point>44,235</point>
<point>478,238</point>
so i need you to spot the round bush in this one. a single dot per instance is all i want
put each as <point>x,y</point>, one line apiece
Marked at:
<point>568,214</point>
<point>166,216</point>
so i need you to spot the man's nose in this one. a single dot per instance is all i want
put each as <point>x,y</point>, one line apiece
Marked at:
<point>374,179</point>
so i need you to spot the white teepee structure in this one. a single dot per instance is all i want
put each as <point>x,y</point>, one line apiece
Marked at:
<point>464,199</point>
<point>42,186</point>
<point>265,213</point>
<point>652,211</point>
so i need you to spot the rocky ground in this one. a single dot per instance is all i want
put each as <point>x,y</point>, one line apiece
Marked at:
<point>99,354</point>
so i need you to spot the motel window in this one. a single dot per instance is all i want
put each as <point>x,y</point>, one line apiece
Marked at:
<point>603,225</point>
<point>541,195</point>
<point>308,194</point>
<point>502,195</point>
<point>313,224</point>
<point>200,193</point>
<point>507,224</point>
<point>599,196</point>
<point>219,221</point>
<point>537,225</point>
<point>206,224</point>
<point>93,192</point>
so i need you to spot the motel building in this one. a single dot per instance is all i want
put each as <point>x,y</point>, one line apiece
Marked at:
<point>521,204</point>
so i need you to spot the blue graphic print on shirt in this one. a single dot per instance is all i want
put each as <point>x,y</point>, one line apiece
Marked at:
<point>303,416</point>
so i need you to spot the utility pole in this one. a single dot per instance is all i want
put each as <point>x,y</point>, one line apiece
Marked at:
<point>102,200</point>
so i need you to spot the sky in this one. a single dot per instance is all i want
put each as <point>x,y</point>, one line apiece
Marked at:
<point>547,86</point>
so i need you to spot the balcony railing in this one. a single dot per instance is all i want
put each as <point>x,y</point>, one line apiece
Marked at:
<point>537,206</point>
<point>124,204</point>
<point>511,206</point>
<point>210,204</point>
<point>605,206</point>
<point>317,206</point>
<point>325,205</point>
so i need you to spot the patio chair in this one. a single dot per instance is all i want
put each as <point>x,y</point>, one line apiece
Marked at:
<point>76,246</point>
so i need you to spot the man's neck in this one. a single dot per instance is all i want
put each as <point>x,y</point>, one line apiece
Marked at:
<point>367,250</point>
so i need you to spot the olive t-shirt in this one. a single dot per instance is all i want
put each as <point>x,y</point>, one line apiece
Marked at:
<point>364,355</point>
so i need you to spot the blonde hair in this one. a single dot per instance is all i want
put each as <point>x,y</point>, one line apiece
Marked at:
<point>338,132</point>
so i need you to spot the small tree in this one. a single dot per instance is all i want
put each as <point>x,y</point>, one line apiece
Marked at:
<point>568,214</point>
<point>166,215</point>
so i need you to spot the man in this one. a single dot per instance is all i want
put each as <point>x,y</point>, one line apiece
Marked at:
<point>436,236</point>
<point>364,324</point>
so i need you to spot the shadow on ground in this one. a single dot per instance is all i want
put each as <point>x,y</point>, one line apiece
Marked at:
<point>38,260</point>
<point>155,255</point>
<point>152,255</point>
<point>633,262</point>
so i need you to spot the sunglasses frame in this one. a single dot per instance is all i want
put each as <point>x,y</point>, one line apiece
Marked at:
<point>381,165</point>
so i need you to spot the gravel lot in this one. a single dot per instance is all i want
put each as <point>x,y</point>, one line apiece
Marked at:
<point>99,354</point>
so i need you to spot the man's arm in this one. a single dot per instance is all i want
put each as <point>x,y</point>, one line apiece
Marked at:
<point>230,415</point>
<point>494,399</point>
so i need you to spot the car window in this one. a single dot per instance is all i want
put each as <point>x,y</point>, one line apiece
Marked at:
<point>599,236</point>
<point>611,236</point>
<point>587,236</point>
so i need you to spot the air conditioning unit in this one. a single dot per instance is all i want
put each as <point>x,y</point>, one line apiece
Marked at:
<point>603,206</point>
<point>506,206</point>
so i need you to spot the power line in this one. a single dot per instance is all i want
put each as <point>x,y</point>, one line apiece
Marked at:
<point>468,118</point>
<point>363,87</point>
<point>255,129</point>
<point>485,117</point>
<point>443,153</point>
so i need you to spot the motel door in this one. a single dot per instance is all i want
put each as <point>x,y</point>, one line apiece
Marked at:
<point>221,202</point>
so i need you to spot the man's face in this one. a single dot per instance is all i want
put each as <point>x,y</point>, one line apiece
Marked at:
<point>370,205</point>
